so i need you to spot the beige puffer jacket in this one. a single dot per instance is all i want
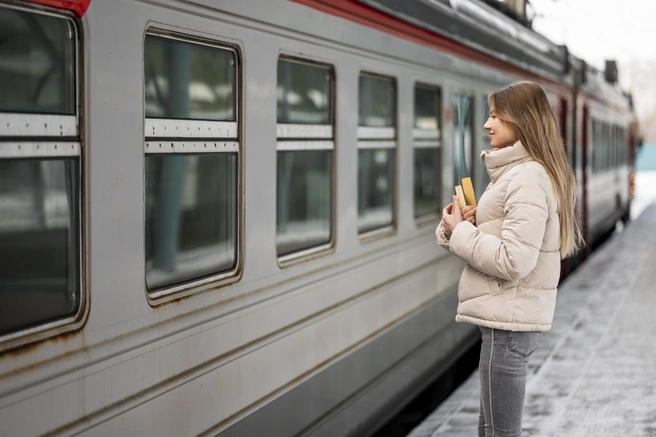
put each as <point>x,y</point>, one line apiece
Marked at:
<point>513,252</point>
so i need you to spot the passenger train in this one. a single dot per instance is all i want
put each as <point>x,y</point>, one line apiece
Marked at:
<point>217,217</point>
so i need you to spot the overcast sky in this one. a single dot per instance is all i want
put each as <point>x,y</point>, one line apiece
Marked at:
<point>596,30</point>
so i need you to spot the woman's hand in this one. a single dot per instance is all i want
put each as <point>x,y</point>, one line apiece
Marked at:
<point>469,214</point>
<point>452,215</point>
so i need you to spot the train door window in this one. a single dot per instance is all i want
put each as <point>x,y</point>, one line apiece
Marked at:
<point>427,142</point>
<point>40,159</point>
<point>192,152</point>
<point>305,154</point>
<point>376,152</point>
<point>463,137</point>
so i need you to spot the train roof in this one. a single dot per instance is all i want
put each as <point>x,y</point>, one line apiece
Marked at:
<point>479,26</point>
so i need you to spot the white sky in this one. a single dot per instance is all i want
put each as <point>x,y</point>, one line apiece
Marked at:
<point>596,30</point>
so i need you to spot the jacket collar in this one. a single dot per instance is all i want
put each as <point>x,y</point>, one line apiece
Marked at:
<point>499,161</point>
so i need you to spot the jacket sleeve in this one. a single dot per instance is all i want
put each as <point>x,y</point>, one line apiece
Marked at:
<point>441,238</point>
<point>514,255</point>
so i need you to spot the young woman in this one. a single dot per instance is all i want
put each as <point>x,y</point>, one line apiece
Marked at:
<point>513,243</point>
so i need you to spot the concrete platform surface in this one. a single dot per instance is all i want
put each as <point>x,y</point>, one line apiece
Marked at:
<point>594,373</point>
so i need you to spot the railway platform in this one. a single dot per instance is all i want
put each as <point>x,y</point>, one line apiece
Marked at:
<point>594,373</point>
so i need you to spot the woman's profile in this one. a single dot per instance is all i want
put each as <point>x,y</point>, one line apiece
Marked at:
<point>513,242</point>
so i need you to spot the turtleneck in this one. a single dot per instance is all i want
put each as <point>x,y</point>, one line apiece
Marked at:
<point>499,161</point>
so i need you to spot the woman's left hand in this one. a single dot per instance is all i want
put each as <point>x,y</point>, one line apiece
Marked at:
<point>451,216</point>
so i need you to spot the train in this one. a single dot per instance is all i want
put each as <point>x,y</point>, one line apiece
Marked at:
<point>217,218</point>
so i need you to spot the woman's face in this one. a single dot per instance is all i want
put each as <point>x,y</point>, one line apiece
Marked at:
<point>500,134</point>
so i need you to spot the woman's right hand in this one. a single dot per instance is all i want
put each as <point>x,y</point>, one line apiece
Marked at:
<point>469,214</point>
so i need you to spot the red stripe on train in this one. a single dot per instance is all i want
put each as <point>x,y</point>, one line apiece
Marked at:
<point>78,7</point>
<point>370,17</point>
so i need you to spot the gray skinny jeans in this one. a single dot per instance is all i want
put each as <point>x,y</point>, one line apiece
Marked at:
<point>502,369</point>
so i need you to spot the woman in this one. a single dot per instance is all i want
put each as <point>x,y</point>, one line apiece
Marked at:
<point>513,242</point>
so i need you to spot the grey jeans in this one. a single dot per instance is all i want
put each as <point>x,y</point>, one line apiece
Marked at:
<point>502,369</point>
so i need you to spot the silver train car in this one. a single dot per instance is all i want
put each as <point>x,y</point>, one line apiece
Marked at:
<point>216,218</point>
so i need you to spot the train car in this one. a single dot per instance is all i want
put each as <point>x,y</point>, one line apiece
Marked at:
<point>606,154</point>
<point>216,218</point>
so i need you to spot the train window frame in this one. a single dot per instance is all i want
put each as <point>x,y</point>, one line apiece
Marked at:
<point>157,141</point>
<point>43,136</point>
<point>380,138</point>
<point>295,137</point>
<point>428,139</point>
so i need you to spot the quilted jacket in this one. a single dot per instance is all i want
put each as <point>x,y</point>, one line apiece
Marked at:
<point>513,252</point>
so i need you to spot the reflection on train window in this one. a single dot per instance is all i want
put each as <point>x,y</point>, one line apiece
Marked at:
<point>191,81</point>
<point>39,242</point>
<point>376,152</point>
<point>463,138</point>
<point>190,216</point>
<point>303,93</point>
<point>303,201</point>
<point>37,72</point>
<point>191,191</point>
<point>377,102</point>
<point>304,157</point>
<point>39,173</point>
<point>607,149</point>
<point>375,188</point>
<point>427,142</point>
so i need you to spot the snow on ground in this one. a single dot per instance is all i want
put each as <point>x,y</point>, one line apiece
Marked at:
<point>645,193</point>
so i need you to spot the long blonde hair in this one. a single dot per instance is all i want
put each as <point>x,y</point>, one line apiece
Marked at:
<point>524,107</point>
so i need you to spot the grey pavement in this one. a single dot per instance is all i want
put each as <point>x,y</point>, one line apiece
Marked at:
<point>594,373</point>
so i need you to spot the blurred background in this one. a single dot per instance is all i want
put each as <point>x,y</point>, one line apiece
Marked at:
<point>598,30</point>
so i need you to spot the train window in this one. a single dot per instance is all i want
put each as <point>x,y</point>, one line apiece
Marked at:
<point>191,169</point>
<point>613,152</point>
<point>39,172</point>
<point>376,152</point>
<point>463,137</point>
<point>597,139</point>
<point>188,81</point>
<point>305,148</point>
<point>38,70</point>
<point>427,141</point>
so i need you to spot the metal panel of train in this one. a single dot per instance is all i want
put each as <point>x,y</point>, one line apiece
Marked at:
<point>216,218</point>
